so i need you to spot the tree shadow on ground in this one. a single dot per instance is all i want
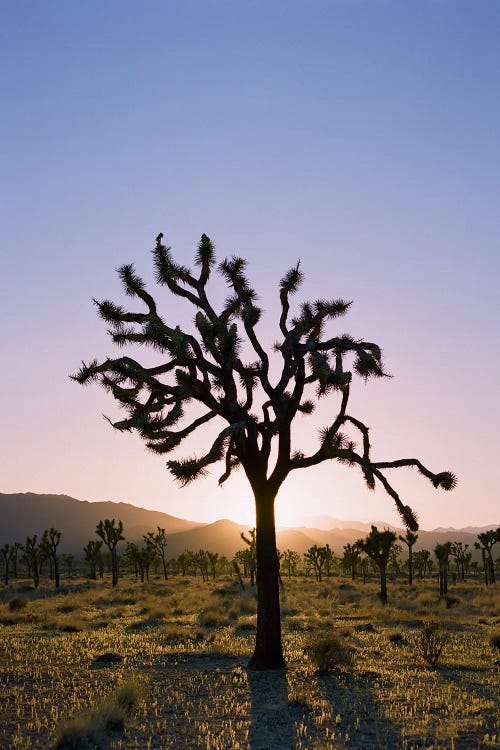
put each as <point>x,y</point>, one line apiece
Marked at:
<point>359,719</point>
<point>271,722</point>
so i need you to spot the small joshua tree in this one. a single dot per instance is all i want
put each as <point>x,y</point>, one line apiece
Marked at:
<point>7,553</point>
<point>111,534</point>
<point>316,556</point>
<point>291,560</point>
<point>207,368</point>
<point>93,556</point>
<point>458,550</point>
<point>377,545</point>
<point>442,553</point>
<point>351,558</point>
<point>485,543</point>
<point>158,543</point>
<point>32,555</point>
<point>409,539</point>
<point>51,538</point>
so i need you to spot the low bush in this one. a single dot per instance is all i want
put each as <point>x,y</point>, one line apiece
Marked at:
<point>328,651</point>
<point>430,641</point>
<point>17,603</point>
<point>495,639</point>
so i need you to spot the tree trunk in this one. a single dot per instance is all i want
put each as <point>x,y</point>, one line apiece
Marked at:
<point>56,572</point>
<point>410,565</point>
<point>383,583</point>
<point>268,653</point>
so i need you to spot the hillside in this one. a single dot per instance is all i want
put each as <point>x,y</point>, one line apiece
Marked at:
<point>28,513</point>
<point>24,514</point>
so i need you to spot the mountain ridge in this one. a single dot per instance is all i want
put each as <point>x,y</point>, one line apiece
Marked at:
<point>29,513</point>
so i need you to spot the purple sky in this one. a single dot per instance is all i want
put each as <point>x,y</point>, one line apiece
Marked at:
<point>361,137</point>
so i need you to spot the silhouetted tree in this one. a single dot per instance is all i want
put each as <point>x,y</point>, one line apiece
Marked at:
<point>32,555</point>
<point>377,545</point>
<point>51,538</point>
<point>92,552</point>
<point>409,539</point>
<point>213,558</point>
<point>7,553</point>
<point>350,559</point>
<point>422,560</point>
<point>111,534</point>
<point>316,556</point>
<point>458,550</point>
<point>442,553</point>
<point>292,560</point>
<point>207,368</point>
<point>68,561</point>
<point>250,558</point>
<point>158,542</point>
<point>486,541</point>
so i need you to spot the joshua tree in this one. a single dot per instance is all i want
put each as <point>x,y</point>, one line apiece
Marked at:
<point>68,561</point>
<point>213,559</point>
<point>51,538</point>
<point>458,550</point>
<point>422,561</point>
<point>207,368</point>
<point>442,553</point>
<point>350,559</point>
<point>250,558</point>
<point>111,534</point>
<point>485,542</point>
<point>292,560</point>
<point>92,552</point>
<point>317,557</point>
<point>158,542</point>
<point>409,539</point>
<point>377,545</point>
<point>7,553</point>
<point>32,555</point>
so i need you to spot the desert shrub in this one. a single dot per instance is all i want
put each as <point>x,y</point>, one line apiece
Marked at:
<point>395,637</point>
<point>212,618</point>
<point>246,624</point>
<point>425,599</point>
<point>430,641</point>
<point>17,603</point>
<point>104,660</point>
<point>450,600</point>
<point>328,651</point>
<point>74,625</point>
<point>494,639</point>
<point>110,716</point>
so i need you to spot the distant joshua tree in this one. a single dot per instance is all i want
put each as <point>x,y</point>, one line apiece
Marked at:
<point>458,550</point>
<point>32,555</point>
<point>409,539</point>
<point>51,538</point>
<point>7,553</point>
<point>351,558</point>
<point>158,543</point>
<point>316,556</point>
<point>207,369</point>
<point>442,553</point>
<point>422,562</point>
<point>485,543</point>
<point>93,555</point>
<point>291,560</point>
<point>377,545</point>
<point>250,558</point>
<point>111,534</point>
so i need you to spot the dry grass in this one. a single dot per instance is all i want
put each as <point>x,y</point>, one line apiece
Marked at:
<point>190,641</point>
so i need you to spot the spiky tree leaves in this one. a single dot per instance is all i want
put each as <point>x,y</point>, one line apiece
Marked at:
<point>207,368</point>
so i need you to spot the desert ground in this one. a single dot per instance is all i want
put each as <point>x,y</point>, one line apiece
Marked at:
<point>162,665</point>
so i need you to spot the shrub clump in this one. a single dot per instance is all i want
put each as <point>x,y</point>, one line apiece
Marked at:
<point>495,639</point>
<point>327,651</point>
<point>430,641</point>
<point>110,716</point>
<point>17,603</point>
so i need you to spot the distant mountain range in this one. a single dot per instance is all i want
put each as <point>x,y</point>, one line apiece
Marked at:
<point>24,514</point>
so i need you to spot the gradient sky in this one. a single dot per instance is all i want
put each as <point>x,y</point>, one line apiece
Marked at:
<point>361,137</point>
